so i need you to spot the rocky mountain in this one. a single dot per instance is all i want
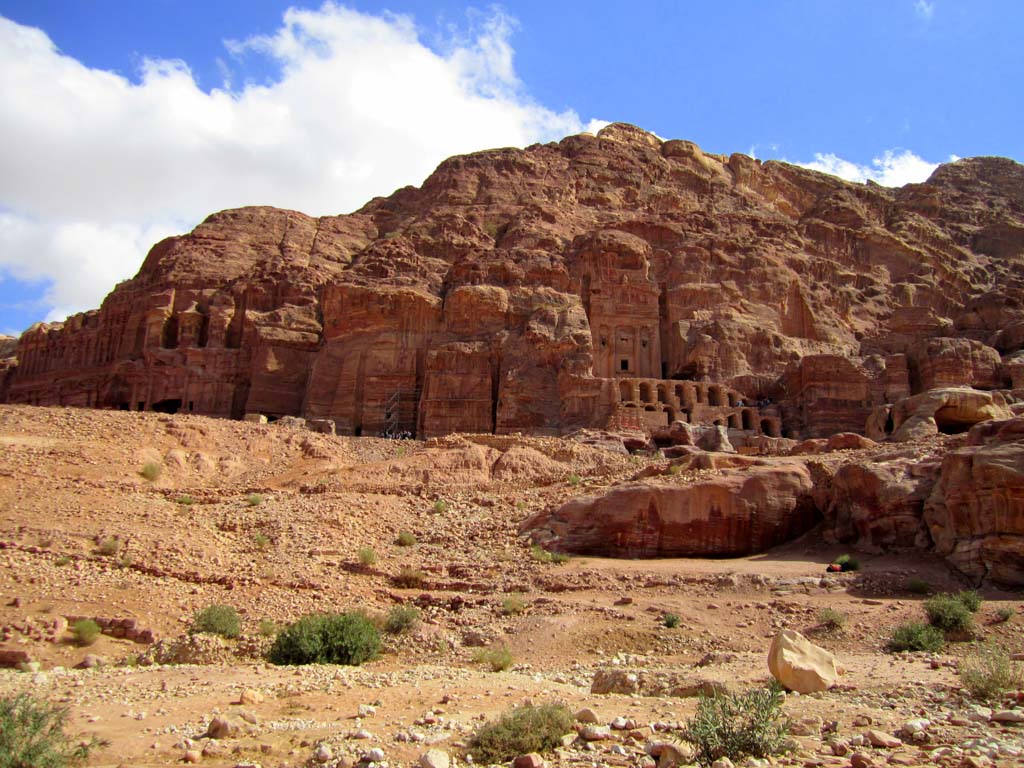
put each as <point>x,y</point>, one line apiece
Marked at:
<point>609,280</point>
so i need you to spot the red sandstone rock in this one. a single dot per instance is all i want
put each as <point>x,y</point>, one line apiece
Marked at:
<point>975,513</point>
<point>615,281</point>
<point>737,512</point>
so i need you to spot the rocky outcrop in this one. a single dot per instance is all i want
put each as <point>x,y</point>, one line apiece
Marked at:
<point>612,281</point>
<point>952,410</point>
<point>736,512</point>
<point>879,505</point>
<point>975,513</point>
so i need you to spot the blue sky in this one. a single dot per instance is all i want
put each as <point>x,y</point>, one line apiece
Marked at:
<point>123,122</point>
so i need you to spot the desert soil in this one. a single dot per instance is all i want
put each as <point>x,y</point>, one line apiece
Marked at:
<point>271,520</point>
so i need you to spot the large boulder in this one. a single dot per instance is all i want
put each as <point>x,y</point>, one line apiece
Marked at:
<point>975,513</point>
<point>952,410</point>
<point>878,505</point>
<point>737,512</point>
<point>799,665</point>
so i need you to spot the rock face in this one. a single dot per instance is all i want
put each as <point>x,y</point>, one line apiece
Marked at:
<point>975,512</point>
<point>735,513</point>
<point>799,665</point>
<point>602,281</point>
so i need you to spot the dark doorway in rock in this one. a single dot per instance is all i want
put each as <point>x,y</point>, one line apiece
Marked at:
<point>171,405</point>
<point>950,423</point>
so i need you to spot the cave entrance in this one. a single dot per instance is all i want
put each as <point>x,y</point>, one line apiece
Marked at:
<point>171,405</point>
<point>949,421</point>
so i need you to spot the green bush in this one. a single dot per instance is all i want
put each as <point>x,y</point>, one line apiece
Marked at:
<point>513,605</point>
<point>410,578</point>
<point>1004,614</point>
<point>989,673</point>
<point>151,471</point>
<point>367,556</point>
<point>401,619</point>
<point>440,507</point>
<point>919,587</point>
<point>738,726</point>
<point>185,500</point>
<point>406,539</point>
<point>671,620</point>
<point>253,499</point>
<point>948,613</point>
<point>848,563</point>
<point>86,631</point>
<point>519,731</point>
<point>109,546</point>
<point>32,735</point>
<point>574,480</point>
<point>831,619</point>
<point>971,600</point>
<point>320,638</point>
<point>498,659</point>
<point>260,540</point>
<point>541,555</point>
<point>916,637</point>
<point>220,620</point>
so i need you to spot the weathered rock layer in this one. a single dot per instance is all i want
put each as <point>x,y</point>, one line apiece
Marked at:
<point>611,280</point>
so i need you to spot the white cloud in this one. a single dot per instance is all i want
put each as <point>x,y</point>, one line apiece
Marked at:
<point>97,167</point>
<point>893,169</point>
<point>924,9</point>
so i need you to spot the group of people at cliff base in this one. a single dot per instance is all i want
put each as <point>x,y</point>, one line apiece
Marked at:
<point>399,434</point>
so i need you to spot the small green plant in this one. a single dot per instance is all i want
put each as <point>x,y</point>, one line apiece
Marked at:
<point>525,729</point>
<point>574,480</point>
<point>675,469</point>
<point>86,632</point>
<point>541,555</point>
<point>513,604</point>
<point>32,735</point>
<point>671,620</point>
<point>406,539</point>
<point>253,499</point>
<point>735,726</point>
<point>109,546</point>
<point>916,636</point>
<point>440,507</point>
<point>832,620</point>
<point>267,628</point>
<point>151,471</point>
<point>948,613</point>
<point>919,587</point>
<point>340,638</point>
<point>260,540</point>
<point>410,578</point>
<point>971,600</point>
<point>64,560</point>
<point>1004,614</point>
<point>220,620</point>
<point>989,672</point>
<point>401,619</point>
<point>498,659</point>
<point>848,563</point>
<point>185,501</point>
<point>367,556</point>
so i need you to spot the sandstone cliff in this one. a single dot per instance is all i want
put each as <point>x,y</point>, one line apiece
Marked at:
<point>602,280</point>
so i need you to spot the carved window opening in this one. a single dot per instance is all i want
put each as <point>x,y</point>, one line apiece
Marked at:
<point>624,364</point>
<point>748,419</point>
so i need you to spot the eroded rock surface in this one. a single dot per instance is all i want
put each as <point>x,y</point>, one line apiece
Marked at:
<point>609,281</point>
<point>736,512</point>
<point>975,513</point>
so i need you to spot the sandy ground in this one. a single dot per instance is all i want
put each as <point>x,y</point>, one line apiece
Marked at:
<point>271,520</point>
